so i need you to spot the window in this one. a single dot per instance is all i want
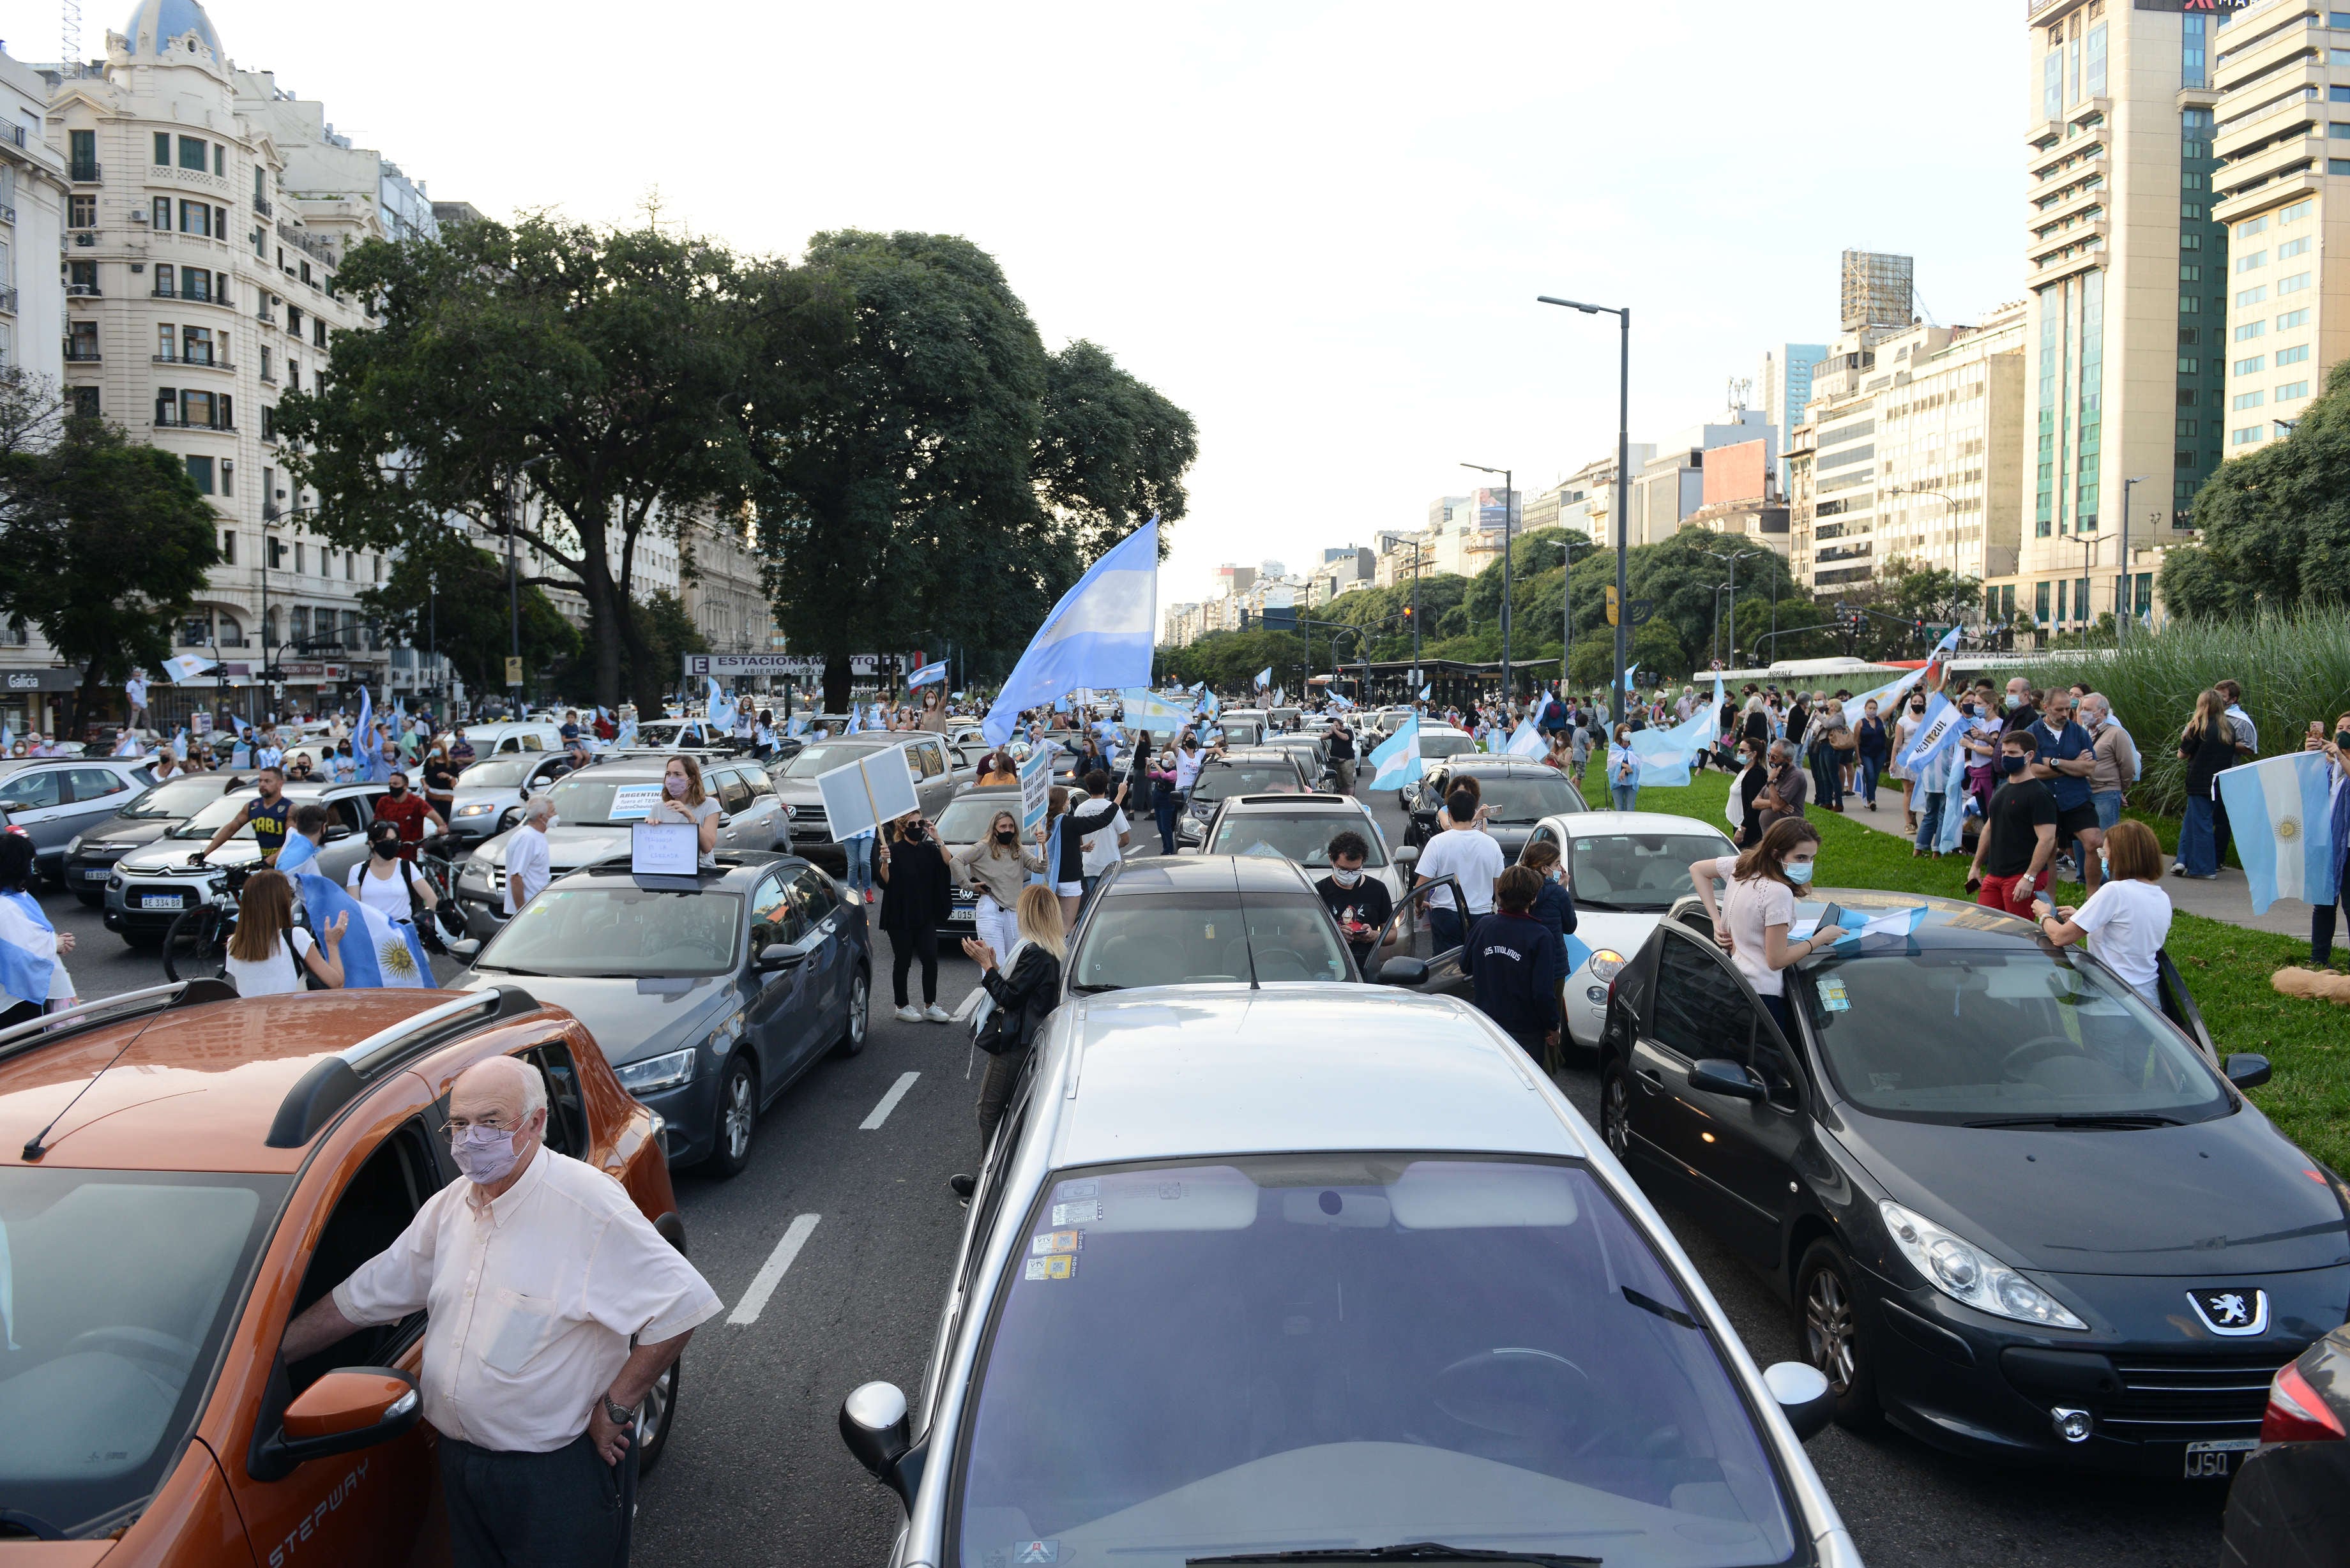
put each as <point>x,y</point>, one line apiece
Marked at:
<point>2182,459</point>
<point>220,159</point>
<point>294,320</point>
<point>2337,57</point>
<point>2290,357</point>
<point>367,1218</point>
<point>2245,231</point>
<point>2186,397</point>
<point>268,422</point>
<point>2190,272</point>
<point>2245,296</point>
<point>260,185</point>
<point>228,548</point>
<point>2095,73</point>
<point>2254,366</point>
<point>163,149</point>
<point>81,211</point>
<point>2255,259</point>
<point>2249,400</point>
<point>2252,329</point>
<point>196,217</point>
<point>81,278</point>
<point>191,153</point>
<point>2292,248</point>
<point>319,331</point>
<point>228,476</point>
<point>300,565</point>
<point>2290,390</point>
<point>2292,319</point>
<point>2299,210</point>
<point>92,784</point>
<point>1698,1010</point>
<point>84,402</point>
<point>2189,365</point>
<point>2051,84</point>
<point>2337,18</point>
<point>2295,284</point>
<point>2190,242</point>
<point>2337,166</point>
<point>2186,429</point>
<point>195,283</point>
<point>196,408</point>
<point>2040,603</point>
<point>200,469</point>
<point>566,1108</point>
<point>2245,436</point>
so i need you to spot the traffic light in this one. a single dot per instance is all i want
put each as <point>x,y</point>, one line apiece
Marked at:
<point>1406,615</point>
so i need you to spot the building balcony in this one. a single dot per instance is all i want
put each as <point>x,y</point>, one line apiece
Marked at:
<point>84,173</point>
<point>261,205</point>
<point>2269,193</point>
<point>2302,94</point>
<point>2072,206</point>
<point>2250,65</point>
<point>2287,155</point>
<point>200,363</point>
<point>2056,180</point>
<point>14,135</point>
<point>2038,245</point>
<point>215,428</point>
<point>81,291</point>
<point>80,356</point>
<point>7,214</point>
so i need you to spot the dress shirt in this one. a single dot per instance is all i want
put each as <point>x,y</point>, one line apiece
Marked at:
<point>533,1299</point>
<point>526,866</point>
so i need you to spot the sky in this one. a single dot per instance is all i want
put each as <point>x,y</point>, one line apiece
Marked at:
<point>1319,228</point>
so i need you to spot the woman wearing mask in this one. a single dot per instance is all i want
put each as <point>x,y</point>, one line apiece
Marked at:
<point>1061,837</point>
<point>440,782</point>
<point>262,949</point>
<point>914,871</point>
<point>998,869</point>
<point>995,769</point>
<point>1165,803</point>
<point>2127,918</point>
<point>2337,752</point>
<point>1024,984</point>
<point>386,883</point>
<point>1623,770</point>
<point>684,800</point>
<point>2207,745</point>
<point>1745,818</point>
<point>1871,742</point>
<point>1752,920</point>
<point>1913,713</point>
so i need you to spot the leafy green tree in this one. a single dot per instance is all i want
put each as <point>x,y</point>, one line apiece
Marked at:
<point>111,539</point>
<point>1768,632</point>
<point>2275,524</point>
<point>576,387</point>
<point>448,591</point>
<point>666,631</point>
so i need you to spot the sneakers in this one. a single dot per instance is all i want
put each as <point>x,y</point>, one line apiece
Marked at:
<point>2066,870</point>
<point>909,1013</point>
<point>962,1186</point>
<point>938,1014</point>
<point>2178,869</point>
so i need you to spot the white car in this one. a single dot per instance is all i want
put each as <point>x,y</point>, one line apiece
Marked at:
<point>1437,741</point>
<point>1333,1270</point>
<point>1299,827</point>
<point>1625,870</point>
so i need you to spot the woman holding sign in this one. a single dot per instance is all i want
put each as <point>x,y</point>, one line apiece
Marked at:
<point>684,800</point>
<point>914,871</point>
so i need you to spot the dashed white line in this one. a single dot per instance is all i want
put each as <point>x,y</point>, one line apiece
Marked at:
<point>771,1273</point>
<point>889,1102</point>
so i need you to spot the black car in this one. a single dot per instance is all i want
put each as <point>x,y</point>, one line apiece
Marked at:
<point>708,1002</point>
<point>2290,1505</point>
<point>1518,792</point>
<point>150,814</point>
<point>2018,1212</point>
<point>1253,770</point>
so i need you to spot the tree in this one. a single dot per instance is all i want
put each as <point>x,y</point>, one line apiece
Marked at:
<point>668,633</point>
<point>2275,526</point>
<point>121,536</point>
<point>576,387</point>
<point>447,591</point>
<point>930,469</point>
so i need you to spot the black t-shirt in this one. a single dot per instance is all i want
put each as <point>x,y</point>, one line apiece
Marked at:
<point>1797,717</point>
<point>2016,809</point>
<point>2021,718</point>
<point>1362,910</point>
<point>1342,746</point>
<point>440,778</point>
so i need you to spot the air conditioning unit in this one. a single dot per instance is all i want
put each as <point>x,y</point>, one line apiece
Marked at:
<point>137,216</point>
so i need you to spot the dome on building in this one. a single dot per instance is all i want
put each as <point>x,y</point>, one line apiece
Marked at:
<point>156,24</point>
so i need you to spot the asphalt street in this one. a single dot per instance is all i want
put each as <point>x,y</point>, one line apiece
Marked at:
<point>832,1250</point>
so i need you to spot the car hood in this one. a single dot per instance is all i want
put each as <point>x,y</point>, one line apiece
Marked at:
<point>630,1019</point>
<point>1625,931</point>
<point>171,854</point>
<point>2228,1196</point>
<point>137,832</point>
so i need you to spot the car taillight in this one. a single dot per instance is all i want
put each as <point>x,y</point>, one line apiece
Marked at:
<point>18,831</point>
<point>2296,1414</point>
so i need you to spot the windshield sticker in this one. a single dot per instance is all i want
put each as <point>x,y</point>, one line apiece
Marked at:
<point>1085,1213</point>
<point>1036,1552</point>
<point>1832,995</point>
<point>1057,1242</point>
<point>1059,1267</point>
<point>1088,1188</point>
<point>1168,1189</point>
<point>633,801</point>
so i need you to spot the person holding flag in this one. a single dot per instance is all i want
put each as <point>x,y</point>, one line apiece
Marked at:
<point>266,947</point>
<point>30,947</point>
<point>1623,770</point>
<point>2337,858</point>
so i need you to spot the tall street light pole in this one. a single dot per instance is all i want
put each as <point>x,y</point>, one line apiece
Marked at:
<point>2124,602</point>
<point>1623,483</point>
<point>1509,509</point>
<point>1731,659</point>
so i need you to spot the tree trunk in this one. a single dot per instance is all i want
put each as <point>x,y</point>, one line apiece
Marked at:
<point>607,615</point>
<point>836,681</point>
<point>85,699</point>
<point>643,677</point>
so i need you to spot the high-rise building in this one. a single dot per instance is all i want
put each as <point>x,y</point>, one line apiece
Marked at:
<point>33,201</point>
<point>1876,291</point>
<point>1787,388</point>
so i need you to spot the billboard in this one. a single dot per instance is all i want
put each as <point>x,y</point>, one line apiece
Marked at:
<point>1734,472</point>
<point>805,667</point>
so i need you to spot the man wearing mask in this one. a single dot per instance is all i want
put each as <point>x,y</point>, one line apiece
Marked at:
<point>408,811</point>
<point>2021,713</point>
<point>527,866</point>
<point>267,816</point>
<point>553,1307</point>
<point>2068,753</point>
<point>2117,759</point>
<point>1359,903</point>
<point>2018,840</point>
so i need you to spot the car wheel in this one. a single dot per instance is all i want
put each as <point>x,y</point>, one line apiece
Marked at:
<point>1827,1322</point>
<point>1616,1111</point>
<point>736,1126</point>
<point>654,1419</point>
<point>860,1008</point>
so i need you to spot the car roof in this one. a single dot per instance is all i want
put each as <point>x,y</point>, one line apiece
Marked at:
<point>1632,822</point>
<point>1177,1071</point>
<point>1206,874</point>
<point>1486,763</point>
<point>1949,924</point>
<point>1239,804</point>
<point>1238,754</point>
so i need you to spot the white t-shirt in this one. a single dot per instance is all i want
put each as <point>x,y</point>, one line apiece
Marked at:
<point>1468,854</point>
<point>526,866</point>
<point>387,894</point>
<point>1101,851</point>
<point>1748,909</point>
<point>275,974</point>
<point>2128,921</point>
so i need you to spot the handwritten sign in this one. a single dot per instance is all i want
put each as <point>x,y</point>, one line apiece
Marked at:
<point>664,849</point>
<point>1035,790</point>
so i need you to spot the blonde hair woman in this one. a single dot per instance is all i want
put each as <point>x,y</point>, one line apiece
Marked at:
<point>999,867</point>
<point>266,941</point>
<point>1024,999</point>
<point>685,800</point>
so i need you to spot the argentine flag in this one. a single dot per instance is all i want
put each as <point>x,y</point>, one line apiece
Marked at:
<point>28,949</point>
<point>2280,810</point>
<point>378,952</point>
<point>1665,755</point>
<point>926,674</point>
<point>186,666</point>
<point>1526,740</point>
<point>1396,763</point>
<point>1146,710</point>
<point>1265,678</point>
<point>1940,728</point>
<point>1100,634</point>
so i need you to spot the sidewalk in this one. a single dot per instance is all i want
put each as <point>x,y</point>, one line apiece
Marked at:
<point>2227,900</point>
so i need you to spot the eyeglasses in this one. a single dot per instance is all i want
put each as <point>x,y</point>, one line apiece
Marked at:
<point>495,1122</point>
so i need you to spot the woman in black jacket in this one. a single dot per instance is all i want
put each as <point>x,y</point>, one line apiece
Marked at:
<point>1068,877</point>
<point>1023,997</point>
<point>915,903</point>
<point>2208,746</point>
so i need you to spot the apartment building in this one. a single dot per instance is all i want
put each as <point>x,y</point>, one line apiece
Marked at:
<point>1949,444</point>
<point>1786,382</point>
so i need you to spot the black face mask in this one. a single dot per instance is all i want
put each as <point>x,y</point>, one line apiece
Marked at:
<point>2342,740</point>
<point>385,849</point>
<point>399,790</point>
<point>2013,764</point>
<point>1006,836</point>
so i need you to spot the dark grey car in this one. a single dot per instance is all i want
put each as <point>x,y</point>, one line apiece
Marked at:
<point>927,760</point>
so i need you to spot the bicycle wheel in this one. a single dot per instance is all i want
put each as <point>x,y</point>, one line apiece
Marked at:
<point>438,871</point>
<point>196,946</point>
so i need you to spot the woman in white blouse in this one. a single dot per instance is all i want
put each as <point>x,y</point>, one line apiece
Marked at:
<point>262,950</point>
<point>385,882</point>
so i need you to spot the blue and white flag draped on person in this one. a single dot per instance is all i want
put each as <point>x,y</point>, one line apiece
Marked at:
<point>1396,763</point>
<point>2279,811</point>
<point>1666,754</point>
<point>926,674</point>
<point>28,949</point>
<point>1940,728</point>
<point>1100,634</point>
<point>378,952</point>
<point>364,745</point>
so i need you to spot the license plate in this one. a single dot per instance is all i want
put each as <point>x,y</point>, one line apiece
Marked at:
<point>99,875</point>
<point>159,900</point>
<point>2213,1457</point>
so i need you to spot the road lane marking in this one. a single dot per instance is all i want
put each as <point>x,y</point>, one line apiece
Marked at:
<point>969,1004</point>
<point>771,1273</point>
<point>889,1102</point>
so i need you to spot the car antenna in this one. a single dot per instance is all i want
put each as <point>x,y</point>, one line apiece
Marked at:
<point>34,1147</point>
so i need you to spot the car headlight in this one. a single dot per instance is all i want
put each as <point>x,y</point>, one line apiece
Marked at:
<point>480,865</point>
<point>1966,1274</point>
<point>722,1039</point>
<point>1605,964</point>
<point>663,1072</point>
<point>477,808</point>
<point>73,844</point>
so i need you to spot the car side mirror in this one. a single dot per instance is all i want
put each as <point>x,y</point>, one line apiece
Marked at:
<point>1718,1076</point>
<point>1804,1396</point>
<point>348,1408</point>
<point>337,831</point>
<point>1401,971</point>
<point>874,1425</point>
<point>2247,1069</point>
<point>779,955</point>
<point>467,948</point>
<point>1407,856</point>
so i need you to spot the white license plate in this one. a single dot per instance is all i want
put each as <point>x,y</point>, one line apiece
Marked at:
<point>159,900</point>
<point>2213,1457</point>
<point>99,875</point>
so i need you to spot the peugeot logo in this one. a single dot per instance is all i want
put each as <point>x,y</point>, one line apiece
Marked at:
<point>2232,1312</point>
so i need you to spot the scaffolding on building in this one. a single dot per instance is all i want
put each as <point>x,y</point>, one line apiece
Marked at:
<point>1878,290</point>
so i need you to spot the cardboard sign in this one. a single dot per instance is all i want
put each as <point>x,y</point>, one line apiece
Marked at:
<point>664,849</point>
<point>860,797</point>
<point>1035,790</point>
<point>634,801</point>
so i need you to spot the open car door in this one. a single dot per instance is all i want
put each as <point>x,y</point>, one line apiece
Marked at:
<point>2179,1007</point>
<point>1410,934</point>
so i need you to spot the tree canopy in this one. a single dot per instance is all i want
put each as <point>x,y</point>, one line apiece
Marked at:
<point>2275,526</point>
<point>447,593</point>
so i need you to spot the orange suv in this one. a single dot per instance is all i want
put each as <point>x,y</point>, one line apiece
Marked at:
<point>181,1173</point>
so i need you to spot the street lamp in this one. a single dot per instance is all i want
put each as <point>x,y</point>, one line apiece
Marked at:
<point>1623,482</point>
<point>1950,515</point>
<point>1509,496</point>
<point>1731,658</point>
<point>1414,546</point>
<point>2123,615</point>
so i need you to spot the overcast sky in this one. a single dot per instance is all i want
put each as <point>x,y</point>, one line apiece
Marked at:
<point>1319,228</point>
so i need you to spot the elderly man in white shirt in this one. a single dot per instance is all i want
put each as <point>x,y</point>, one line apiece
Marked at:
<point>527,867</point>
<point>553,1305</point>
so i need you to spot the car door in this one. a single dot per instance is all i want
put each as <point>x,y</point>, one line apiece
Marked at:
<point>819,905</point>
<point>93,795</point>
<point>566,1106</point>
<point>768,823</point>
<point>35,800</point>
<point>1409,933</point>
<point>778,1017</point>
<point>933,784</point>
<point>733,808</point>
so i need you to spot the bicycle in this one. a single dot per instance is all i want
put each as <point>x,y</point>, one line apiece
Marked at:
<point>195,944</point>
<point>433,865</point>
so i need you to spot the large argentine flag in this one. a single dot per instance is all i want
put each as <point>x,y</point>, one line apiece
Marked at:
<point>28,949</point>
<point>1665,755</point>
<point>1099,635</point>
<point>1526,740</point>
<point>378,952</point>
<point>1397,761</point>
<point>1940,728</point>
<point>2279,809</point>
<point>926,674</point>
<point>1146,710</point>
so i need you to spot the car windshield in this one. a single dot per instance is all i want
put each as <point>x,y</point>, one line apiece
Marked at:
<point>1637,870</point>
<point>596,799</point>
<point>1433,744</point>
<point>619,930</point>
<point>823,756</point>
<point>966,817</point>
<point>178,797</point>
<point>1530,797</point>
<point>498,771</point>
<point>1355,1350</point>
<point>222,811</point>
<point>1180,939</point>
<point>1993,1037</point>
<point>1242,732</point>
<point>116,1288</point>
<point>1217,780</point>
<point>1303,836</point>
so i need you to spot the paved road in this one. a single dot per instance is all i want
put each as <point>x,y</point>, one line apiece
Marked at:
<point>755,1471</point>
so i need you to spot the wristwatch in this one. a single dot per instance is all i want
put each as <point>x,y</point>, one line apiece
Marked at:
<point>619,1415</point>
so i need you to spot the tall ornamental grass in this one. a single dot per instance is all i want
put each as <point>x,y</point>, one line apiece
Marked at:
<point>2294,667</point>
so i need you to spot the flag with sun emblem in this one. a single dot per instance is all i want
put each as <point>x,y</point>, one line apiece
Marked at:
<point>377,950</point>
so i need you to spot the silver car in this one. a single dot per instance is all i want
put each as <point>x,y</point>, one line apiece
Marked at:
<point>490,794</point>
<point>1326,1268</point>
<point>52,799</point>
<point>148,887</point>
<point>963,823</point>
<point>935,783</point>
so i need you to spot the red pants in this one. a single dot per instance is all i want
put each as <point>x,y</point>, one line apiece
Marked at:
<point>2012,894</point>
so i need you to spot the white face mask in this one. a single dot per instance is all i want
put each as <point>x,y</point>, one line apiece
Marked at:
<point>1346,878</point>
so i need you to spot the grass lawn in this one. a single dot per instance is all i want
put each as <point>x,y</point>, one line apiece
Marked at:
<point>2227,967</point>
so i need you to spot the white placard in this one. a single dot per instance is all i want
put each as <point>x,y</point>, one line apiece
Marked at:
<point>664,849</point>
<point>860,797</point>
<point>633,801</point>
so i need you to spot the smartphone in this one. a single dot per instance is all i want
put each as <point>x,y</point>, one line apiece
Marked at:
<point>1830,916</point>
<point>2316,730</point>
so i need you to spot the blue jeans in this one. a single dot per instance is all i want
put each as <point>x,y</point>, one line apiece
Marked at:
<point>2108,803</point>
<point>1626,796</point>
<point>1827,777</point>
<point>1929,819</point>
<point>860,850</point>
<point>1870,767</point>
<point>1162,806</point>
<point>2199,849</point>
